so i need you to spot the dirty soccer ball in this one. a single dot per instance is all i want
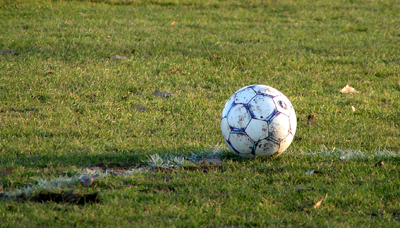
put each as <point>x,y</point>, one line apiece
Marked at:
<point>258,120</point>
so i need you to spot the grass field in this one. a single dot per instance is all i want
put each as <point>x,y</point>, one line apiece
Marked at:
<point>81,95</point>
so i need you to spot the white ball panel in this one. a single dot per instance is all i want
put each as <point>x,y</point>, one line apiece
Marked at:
<point>230,147</point>
<point>227,106</point>
<point>266,148</point>
<point>279,127</point>
<point>285,143</point>
<point>244,96</point>
<point>283,104</point>
<point>238,116</point>
<point>242,143</point>
<point>266,90</point>
<point>225,129</point>
<point>257,129</point>
<point>262,107</point>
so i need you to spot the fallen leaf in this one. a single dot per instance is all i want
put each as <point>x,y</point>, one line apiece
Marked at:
<point>380,163</point>
<point>9,52</point>
<point>82,14</point>
<point>318,203</point>
<point>117,57</point>
<point>158,93</point>
<point>172,23</point>
<point>213,161</point>
<point>108,37</point>
<point>311,120</point>
<point>312,117</point>
<point>348,89</point>
<point>170,71</point>
<point>141,108</point>
<point>6,171</point>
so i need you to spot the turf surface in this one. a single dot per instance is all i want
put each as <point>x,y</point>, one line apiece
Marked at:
<point>97,87</point>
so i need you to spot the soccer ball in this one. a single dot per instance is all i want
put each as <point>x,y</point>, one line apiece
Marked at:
<point>258,120</point>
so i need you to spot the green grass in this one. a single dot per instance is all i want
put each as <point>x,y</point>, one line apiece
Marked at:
<point>66,106</point>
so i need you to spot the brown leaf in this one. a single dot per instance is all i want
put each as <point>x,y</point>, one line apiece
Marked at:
<point>82,14</point>
<point>170,71</point>
<point>318,203</point>
<point>380,163</point>
<point>117,57</point>
<point>348,89</point>
<point>312,117</point>
<point>6,171</point>
<point>172,23</point>
<point>311,120</point>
